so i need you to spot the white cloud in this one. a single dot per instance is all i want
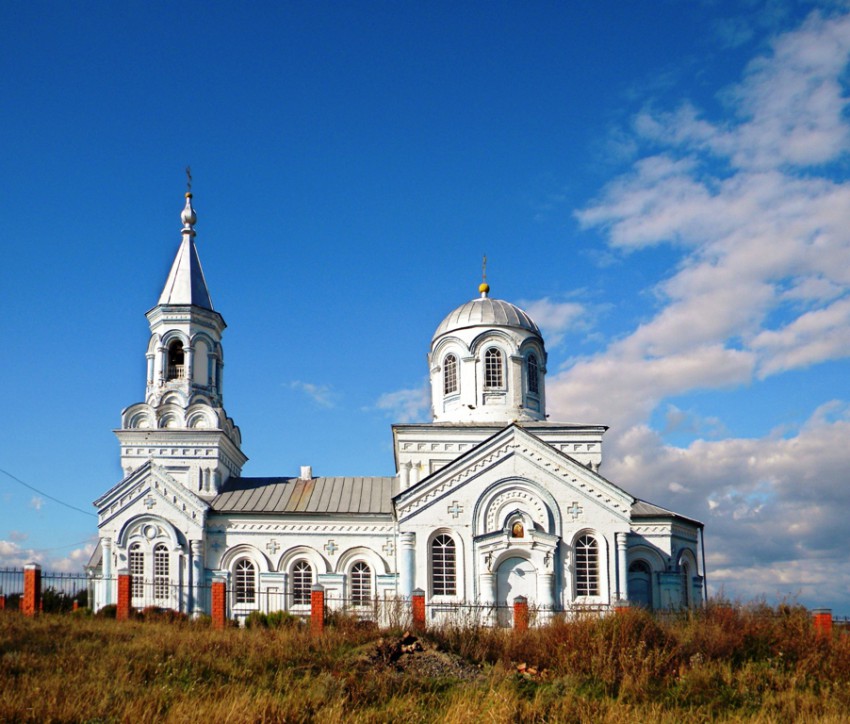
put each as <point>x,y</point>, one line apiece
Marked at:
<point>322,395</point>
<point>410,405</point>
<point>762,286</point>
<point>12,555</point>
<point>36,502</point>
<point>555,318</point>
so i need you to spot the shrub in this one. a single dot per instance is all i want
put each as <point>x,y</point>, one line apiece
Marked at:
<point>108,611</point>
<point>256,619</point>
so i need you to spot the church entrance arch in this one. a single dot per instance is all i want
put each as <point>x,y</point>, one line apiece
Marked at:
<point>514,577</point>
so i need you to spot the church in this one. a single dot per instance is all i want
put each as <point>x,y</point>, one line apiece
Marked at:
<point>491,500</point>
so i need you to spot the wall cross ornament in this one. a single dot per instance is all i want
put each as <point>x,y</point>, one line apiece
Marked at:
<point>272,546</point>
<point>389,548</point>
<point>575,510</point>
<point>331,548</point>
<point>455,509</point>
<point>150,502</point>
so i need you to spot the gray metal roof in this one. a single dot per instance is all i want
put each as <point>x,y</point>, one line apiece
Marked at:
<point>486,312</point>
<point>644,509</point>
<point>186,283</point>
<point>355,495</point>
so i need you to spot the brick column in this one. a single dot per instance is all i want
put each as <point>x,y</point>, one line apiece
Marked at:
<point>125,592</point>
<point>219,604</point>
<point>621,607</point>
<point>520,613</point>
<point>417,607</point>
<point>317,608</point>
<point>31,602</point>
<point>823,622</point>
<point>2,602</point>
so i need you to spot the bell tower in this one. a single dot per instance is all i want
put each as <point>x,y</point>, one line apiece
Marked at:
<point>182,426</point>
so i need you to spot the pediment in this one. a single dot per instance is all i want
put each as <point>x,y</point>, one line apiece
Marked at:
<point>151,490</point>
<point>514,448</point>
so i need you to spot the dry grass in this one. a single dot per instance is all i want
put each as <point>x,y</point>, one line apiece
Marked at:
<point>723,664</point>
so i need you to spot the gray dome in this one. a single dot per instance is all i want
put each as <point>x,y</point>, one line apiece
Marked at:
<point>486,312</point>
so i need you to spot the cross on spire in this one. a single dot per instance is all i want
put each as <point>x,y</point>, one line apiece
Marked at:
<point>188,179</point>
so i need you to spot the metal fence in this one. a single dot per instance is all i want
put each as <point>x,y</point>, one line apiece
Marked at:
<point>59,590</point>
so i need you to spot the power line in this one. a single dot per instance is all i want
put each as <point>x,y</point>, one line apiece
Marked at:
<point>49,497</point>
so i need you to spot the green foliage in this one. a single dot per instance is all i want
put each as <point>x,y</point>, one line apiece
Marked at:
<point>723,663</point>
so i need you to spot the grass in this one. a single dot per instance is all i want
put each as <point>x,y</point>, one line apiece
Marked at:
<point>724,663</point>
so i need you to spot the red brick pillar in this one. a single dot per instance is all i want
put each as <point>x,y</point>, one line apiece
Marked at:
<point>417,608</point>
<point>317,608</point>
<point>125,592</point>
<point>2,602</point>
<point>823,622</point>
<point>621,607</point>
<point>219,604</point>
<point>75,605</point>
<point>31,602</point>
<point>520,613</point>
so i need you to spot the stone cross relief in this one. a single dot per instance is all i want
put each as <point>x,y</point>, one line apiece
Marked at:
<point>455,509</point>
<point>388,548</point>
<point>272,546</point>
<point>574,510</point>
<point>150,502</point>
<point>331,548</point>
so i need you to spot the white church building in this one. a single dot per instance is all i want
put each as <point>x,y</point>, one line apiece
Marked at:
<point>490,500</point>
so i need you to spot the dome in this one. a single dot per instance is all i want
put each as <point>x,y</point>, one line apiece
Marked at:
<point>486,312</point>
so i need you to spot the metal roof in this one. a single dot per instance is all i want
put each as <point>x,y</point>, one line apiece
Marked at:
<point>355,495</point>
<point>186,283</point>
<point>486,312</point>
<point>643,509</point>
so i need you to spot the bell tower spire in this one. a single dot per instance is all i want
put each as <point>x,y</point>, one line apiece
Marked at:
<point>185,362</point>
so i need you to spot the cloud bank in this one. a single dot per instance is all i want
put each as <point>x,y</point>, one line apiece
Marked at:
<point>756,206</point>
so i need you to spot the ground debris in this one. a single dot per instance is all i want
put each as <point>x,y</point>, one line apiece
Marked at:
<point>408,654</point>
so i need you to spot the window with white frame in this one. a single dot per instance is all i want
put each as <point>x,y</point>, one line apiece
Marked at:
<point>245,582</point>
<point>137,570</point>
<point>443,566</point>
<point>587,566</point>
<point>302,583</point>
<point>533,372</point>
<point>160,572</point>
<point>361,584</point>
<point>450,385</point>
<point>493,373</point>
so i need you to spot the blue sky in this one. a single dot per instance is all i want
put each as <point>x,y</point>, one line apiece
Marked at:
<point>663,186</point>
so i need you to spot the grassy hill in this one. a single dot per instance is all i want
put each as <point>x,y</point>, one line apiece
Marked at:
<point>753,663</point>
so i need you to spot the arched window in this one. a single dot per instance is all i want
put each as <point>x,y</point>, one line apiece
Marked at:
<point>246,582</point>
<point>361,584</point>
<point>176,368</point>
<point>443,566</point>
<point>640,584</point>
<point>493,377</point>
<point>160,572</point>
<point>533,375</point>
<point>137,571</point>
<point>587,566</point>
<point>450,385</point>
<point>302,583</point>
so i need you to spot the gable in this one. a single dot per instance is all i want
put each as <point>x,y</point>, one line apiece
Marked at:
<point>150,490</point>
<point>515,459</point>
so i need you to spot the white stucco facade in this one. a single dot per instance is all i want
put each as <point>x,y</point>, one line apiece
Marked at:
<point>489,501</point>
